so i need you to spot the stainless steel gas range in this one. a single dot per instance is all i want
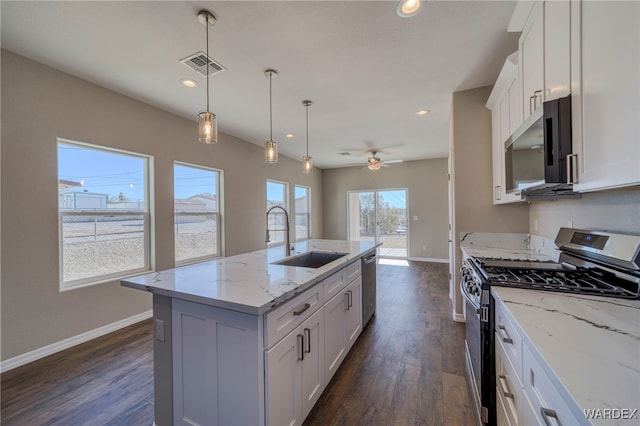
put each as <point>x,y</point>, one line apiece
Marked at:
<point>590,263</point>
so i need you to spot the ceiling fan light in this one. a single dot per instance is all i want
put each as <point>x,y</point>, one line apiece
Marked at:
<point>408,8</point>
<point>207,128</point>
<point>270,152</point>
<point>374,165</point>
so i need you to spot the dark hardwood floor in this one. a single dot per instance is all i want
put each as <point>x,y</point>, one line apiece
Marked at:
<point>407,368</point>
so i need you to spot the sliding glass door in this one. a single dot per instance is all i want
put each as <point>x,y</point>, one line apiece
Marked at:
<point>380,216</point>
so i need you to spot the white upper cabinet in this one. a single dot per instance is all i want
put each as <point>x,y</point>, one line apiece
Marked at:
<point>531,48</point>
<point>557,49</point>
<point>605,80</point>
<point>506,116</point>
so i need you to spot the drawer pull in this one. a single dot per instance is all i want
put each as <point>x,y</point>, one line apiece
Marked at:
<point>301,310</point>
<point>350,293</point>
<point>504,335</point>
<point>548,414</point>
<point>307,337</point>
<point>300,347</point>
<point>503,386</point>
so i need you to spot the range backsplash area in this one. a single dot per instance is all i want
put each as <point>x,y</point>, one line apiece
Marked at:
<point>613,211</point>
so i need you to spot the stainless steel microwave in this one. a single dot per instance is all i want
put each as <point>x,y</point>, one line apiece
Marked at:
<point>536,154</point>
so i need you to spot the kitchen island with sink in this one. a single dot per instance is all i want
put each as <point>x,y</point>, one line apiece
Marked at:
<point>249,340</point>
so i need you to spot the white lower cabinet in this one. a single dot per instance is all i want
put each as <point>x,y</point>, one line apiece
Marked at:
<point>232,368</point>
<point>525,393</point>
<point>343,324</point>
<point>295,372</point>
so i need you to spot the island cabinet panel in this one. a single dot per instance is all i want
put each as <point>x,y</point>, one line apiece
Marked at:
<point>343,324</point>
<point>217,365</point>
<point>334,337</point>
<point>353,315</point>
<point>295,373</point>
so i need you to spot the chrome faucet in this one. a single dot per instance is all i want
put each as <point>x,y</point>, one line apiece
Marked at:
<point>286,216</point>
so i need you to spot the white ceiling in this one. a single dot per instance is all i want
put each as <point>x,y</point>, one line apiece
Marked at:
<point>367,70</point>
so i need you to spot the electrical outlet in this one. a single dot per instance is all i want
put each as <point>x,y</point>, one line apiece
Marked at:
<point>570,223</point>
<point>159,329</point>
<point>415,218</point>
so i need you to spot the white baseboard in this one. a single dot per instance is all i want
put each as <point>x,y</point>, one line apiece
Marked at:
<point>44,351</point>
<point>428,259</point>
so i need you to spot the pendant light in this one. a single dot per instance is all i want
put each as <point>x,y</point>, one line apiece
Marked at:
<point>207,122</point>
<point>270,146</point>
<point>306,160</point>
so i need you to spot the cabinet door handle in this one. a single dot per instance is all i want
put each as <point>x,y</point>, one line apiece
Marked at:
<point>503,386</point>
<point>548,414</point>
<point>572,168</point>
<point>301,310</point>
<point>531,108</point>
<point>350,293</point>
<point>307,338</point>
<point>504,335</point>
<point>346,301</point>
<point>300,347</point>
<point>536,94</point>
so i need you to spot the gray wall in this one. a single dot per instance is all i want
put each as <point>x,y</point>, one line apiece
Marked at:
<point>472,171</point>
<point>614,211</point>
<point>40,104</point>
<point>426,181</point>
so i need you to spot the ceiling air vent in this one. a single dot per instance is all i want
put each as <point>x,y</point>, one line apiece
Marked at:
<point>198,63</point>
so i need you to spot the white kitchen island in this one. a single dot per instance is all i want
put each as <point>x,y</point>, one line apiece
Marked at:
<point>243,341</point>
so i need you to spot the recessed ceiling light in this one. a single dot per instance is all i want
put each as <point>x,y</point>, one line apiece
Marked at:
<point>408,8</point>
<point>422,112</point>
<point>188,83</point>
<point>289,135</point>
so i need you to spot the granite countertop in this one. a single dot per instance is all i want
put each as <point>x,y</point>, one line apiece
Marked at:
<point>248,282</point>
<point>589,345</point>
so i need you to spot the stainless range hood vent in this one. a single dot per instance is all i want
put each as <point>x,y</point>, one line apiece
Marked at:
<point>198,62</point>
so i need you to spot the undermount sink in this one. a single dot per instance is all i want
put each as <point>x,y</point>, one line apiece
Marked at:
<point>311,259</point>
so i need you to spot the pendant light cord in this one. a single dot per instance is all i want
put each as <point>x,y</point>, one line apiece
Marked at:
<point>307,113</point>
<point>206,24</point>
<point>270,108</point>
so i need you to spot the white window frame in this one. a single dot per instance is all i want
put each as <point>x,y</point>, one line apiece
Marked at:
<point>146,214</point>
<point>218,215</point>
<point>308,213</point>
<point>286,206</point>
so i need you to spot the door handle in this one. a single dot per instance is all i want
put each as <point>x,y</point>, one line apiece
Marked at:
<point>301,310</point>
<point>300,347</point>
<point>307,337</point>
<point>505,336</point>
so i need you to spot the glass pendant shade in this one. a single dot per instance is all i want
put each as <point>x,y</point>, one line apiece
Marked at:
<point>307,164</point>
<point>270,151</point>
<point>207,128</point>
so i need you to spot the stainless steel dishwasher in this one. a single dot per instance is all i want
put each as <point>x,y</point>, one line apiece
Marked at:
<point>369,262</point>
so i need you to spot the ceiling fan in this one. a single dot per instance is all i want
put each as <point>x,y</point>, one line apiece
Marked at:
<point>374,162</point>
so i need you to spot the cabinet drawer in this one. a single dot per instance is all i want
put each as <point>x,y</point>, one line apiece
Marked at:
<point>508,386</point>
<point>508,335</point>
<point>544,396</point>
<point>285,318</point>
<point>339,280</point>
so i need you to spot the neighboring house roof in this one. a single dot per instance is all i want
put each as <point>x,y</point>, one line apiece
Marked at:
<point>62,184</point>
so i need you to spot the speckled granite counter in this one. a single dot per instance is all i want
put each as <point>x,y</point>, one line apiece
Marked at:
<point>590,346</point>
<point>248,282</point>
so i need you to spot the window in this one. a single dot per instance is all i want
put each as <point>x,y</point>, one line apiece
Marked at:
<point>277,196</point>
<point>103,204</point>
<point>303,210</point>
<point>196,193</point>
